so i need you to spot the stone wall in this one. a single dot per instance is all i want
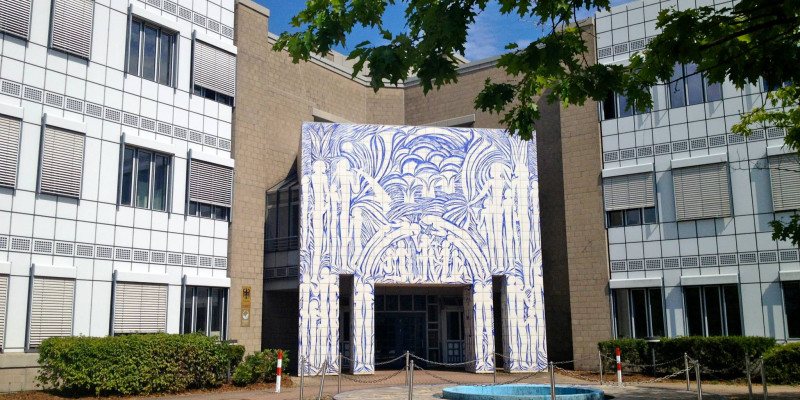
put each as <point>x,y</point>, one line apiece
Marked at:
<point>18,372</point>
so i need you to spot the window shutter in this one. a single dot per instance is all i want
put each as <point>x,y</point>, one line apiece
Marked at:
<point>3,302</point>
<point>629,191</point>
<point>51,309</point>
<point>214,69</point>
<point>9,150</point>
<point>210,183</point>
<point>72,26</point>
<point>62,162</point>
<point>140,307</point>
<point>15,17</point>
<point>784,173</point>
<point>702,191</point>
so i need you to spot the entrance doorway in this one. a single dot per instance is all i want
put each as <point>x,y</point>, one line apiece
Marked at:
<point>454,334</point>
<point>396,332</point>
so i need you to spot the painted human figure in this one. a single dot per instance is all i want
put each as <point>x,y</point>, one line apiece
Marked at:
<point>509,231</point>
<point>357,224</point>
<point>403,263</point>
<point>423,256</point>
<point>347,183</point>
<point>520,186</point>
<point>388,262</point>
<point>319,186</point>
<point>491,215</point>
<point>334,228</point>
<point>445,253</point>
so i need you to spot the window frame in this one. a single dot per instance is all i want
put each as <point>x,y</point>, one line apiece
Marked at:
<point>630,318</point>
<point>786,315</point>
<point>642,220</point>
<point>725,319</point>
<point>195,211</point>
<point>191,292</point>
<point>139,56</point>
<point>133,202</point>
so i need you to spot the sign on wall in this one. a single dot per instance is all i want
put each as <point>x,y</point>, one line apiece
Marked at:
<point>246,291</point>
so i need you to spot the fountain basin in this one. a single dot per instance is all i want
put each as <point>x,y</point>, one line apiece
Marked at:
<point>520,392</point>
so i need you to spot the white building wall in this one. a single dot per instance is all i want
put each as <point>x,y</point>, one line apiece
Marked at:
<point>106,94</point>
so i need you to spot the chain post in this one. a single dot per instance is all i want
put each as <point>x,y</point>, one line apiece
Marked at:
<point>411,381</point>
<point>495,372</point>
<point>339,388</point>
<point>302,375</point>
<point>749,378</point>
<point>686,366</point>
<point>763,376</point>
<point>699,384</point>
<point>322,380</point>
<point>600,357</point>
<point>407,358</point>
<point>552,381</point>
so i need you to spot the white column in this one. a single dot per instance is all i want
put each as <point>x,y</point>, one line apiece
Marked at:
<point>362,321</point>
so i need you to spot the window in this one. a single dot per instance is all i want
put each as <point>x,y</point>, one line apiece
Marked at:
<point>210,190</point>
<point>784,174</point>
<point>214,73</point>
<point>283,216</point>
<point>712,310</point>
<point>629,199</point>
<point>687,86</point>
<point>205,310</point>
<point>151,53</point>
<point>791,302</point>
<point>15,17</point>
<point>713,90</point>
<point>72,26</point>
<point>609,107</point>
<point>145,179</point>
<point>702,191</point>
<point>139,308</point>
<point>9,150</point>
<point>638,312</point>
<point>625,109</point>
<point>616,105</point>
<point>62,162</point>
<point>51,309</point>
<point>3,302</point>
<point>677,96</point>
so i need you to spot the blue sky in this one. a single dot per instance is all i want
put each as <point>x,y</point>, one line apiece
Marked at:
<point>488,36</point>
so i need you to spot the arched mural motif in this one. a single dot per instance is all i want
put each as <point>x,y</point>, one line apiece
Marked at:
<point>417,205</point>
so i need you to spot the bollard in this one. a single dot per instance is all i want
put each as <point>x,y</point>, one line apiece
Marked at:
<point>495,374</point>
<point>339,386</point>
<point>322,380</point>
<point>699,384</point>
<point>552,381</point>
<point>411,381</point>
<point>619,369</point>
<point>278,372</point>
<point>600,357</point>
<point>407,358</point>
<point>749,378</point>
<point>302,375</point>
<point>686,365</point>
<point>763,376</point>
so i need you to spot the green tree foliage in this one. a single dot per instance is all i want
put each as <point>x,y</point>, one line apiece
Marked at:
<point>752,39</point>
<point>259,367</point>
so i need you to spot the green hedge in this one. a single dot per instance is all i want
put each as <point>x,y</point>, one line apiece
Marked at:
<point>724,354</point>
<point>134,364</point>
<point>783,364</point>
<point>259,367</point>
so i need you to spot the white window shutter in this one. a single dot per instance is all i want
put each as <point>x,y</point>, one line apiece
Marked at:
<point>72,26</point>
<point>629,191</point>
<point>51,309</point>
<point>214,69</point>
<point>702,191</point>
<point>9,150</point>
<point>140,307</point>
<point>62,162</point>
<point>210,183</point>
<point>784,173</point>
<point>15,17</point>
<point>3,302</point>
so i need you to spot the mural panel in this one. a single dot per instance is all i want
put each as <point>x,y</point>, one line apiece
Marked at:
<point>419,205</point>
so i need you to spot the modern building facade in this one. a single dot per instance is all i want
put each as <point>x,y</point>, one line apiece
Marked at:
<point>116,170</point>
<point>688,203</point>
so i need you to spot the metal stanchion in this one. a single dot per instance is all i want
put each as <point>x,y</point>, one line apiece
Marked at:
<point>495,372</point>
<point>552,381</point>
<point>749,379</point>
<point>763,376</point>
<point>411,381</point>
<point>686,366</point>
<point>339,387</point>
<point>322,380</point>
<point>619,368</point>
<point>407,358</point>
<point>699,384</point>
<point>600,357</point>
<point>302,375</point>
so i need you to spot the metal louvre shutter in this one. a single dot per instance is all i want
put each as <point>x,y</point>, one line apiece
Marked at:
<point>210,183</point>
<point>629,191</point>
<point>214,69</point>
<point>140,307</point>
<point>784,173</point>
<point>51,309</point>
<point>702,191</point>
<point>9,150</point>
<point>3,302</point>
<point>72,26</point>
<point>62,162</point>
<point>15,17</point>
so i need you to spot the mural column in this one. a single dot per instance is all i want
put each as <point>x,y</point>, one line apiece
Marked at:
<point>480,327</point>
<point>363,324</point>
<point>524,346</point>
<point>319,324</point>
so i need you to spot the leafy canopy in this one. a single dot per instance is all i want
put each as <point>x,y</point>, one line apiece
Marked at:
<point>743,42</point>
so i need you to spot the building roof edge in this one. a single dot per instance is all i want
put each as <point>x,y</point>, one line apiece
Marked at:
<point>254,6</point>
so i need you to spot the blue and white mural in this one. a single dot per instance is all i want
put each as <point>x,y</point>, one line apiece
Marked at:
<point>420,205</point>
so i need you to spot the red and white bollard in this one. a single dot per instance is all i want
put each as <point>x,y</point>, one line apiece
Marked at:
<point>278,376</point>
<point>619,369</point>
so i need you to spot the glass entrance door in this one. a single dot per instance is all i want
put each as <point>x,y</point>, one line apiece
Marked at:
<point>396,332</point>
<point>454,335</point>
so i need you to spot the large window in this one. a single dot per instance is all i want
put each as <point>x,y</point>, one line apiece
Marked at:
<point>283,218</point>
<point>205,310</point>
<point>210,190</point>
<point>629,199</point>
<point>145,179</point>
<point>9,150</point>
<point>617,105</point>
<point>62,162</point>
<point>702,191</point>
<point>139,308</point>
<point>213,73</point>
<point>639,312</point>
<point>784,173</point>
<point>687,86</point>
<point>712,310</point>
<point>15,17</point>
<point>151,52</point>
<point>51,309</point>
<point>791,303</point>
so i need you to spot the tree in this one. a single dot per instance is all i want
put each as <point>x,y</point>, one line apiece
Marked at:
<point>741,43</point>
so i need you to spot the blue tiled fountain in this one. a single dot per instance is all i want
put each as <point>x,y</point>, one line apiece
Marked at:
<point>520,392</point>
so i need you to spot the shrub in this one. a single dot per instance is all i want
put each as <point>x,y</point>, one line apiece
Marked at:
<point>133,364</point>
<point>259,367</point>
<point>782,364</point>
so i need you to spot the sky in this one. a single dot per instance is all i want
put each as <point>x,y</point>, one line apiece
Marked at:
<point>488,36</point>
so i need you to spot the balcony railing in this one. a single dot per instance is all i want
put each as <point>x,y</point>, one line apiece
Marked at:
<point>287,243</point>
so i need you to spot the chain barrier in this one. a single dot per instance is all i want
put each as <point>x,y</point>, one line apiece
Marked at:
<point>578,376</point>
<point>521,378</point>
<point>378,363</point>
<point>661,364</point>
<point>656,380</point>
<point>458,364</point>
<point>441,378</point>
<point>353,378</point>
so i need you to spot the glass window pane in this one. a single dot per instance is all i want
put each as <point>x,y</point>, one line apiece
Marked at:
<point>221,213</point>
<point>379,299</point>
<point>127,177</point>
<point>639,314</point>
<point>791,300</point>
<point>656,313</point>
<point>406,303</point>
<point>713,311</point>
<point>201,317</point>
<point>694,311</point>
<point>624,109</point>
<point>419,303</point>
<point>391,302</point>
<point>622,313</point>
<point>216,312</point>
<point>164,59</point>
<point>283,215</point>
<point>694,84</point>
<point>649,215</point>
<point>713,91</point>
<point>149,53</point>
<point>677,98</point>
<point>187,310</point>
<point>143,179</point>
<point>616,219</point>
<point>609,110</point>
<point>453,325</point>
<point>192,208</point>
<point>160,179</point>
<point>732,315</point>
<point>205,210</point>
<point>133,48</point>
<point>633,217</point>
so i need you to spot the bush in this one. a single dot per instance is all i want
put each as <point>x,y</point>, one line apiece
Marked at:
<point>133,364</point>
<point>782,364</point>
<point>259,367</point>
<point>720,353</point>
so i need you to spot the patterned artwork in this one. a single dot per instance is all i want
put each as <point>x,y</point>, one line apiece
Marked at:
<point>420,205</point>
